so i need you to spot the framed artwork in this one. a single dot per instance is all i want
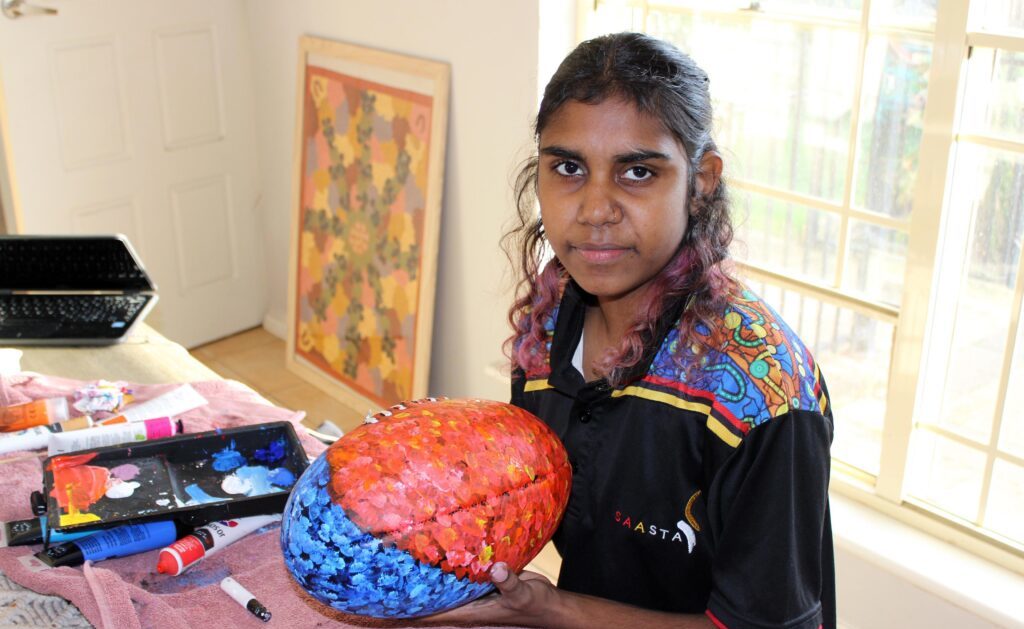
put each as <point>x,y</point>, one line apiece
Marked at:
<point>368,170</point>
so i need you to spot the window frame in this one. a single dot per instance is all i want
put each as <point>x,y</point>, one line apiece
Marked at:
<point>952,40</point>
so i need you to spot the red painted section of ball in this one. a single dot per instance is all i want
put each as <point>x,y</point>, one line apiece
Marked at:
<point>456,483</point>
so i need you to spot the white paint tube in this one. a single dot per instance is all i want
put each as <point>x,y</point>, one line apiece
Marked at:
<point>207,540</point>
<point>170,404</point>
<point>101,436</point>
<point>38,437</point>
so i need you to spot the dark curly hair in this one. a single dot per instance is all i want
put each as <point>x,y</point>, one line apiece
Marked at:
<point>664,83</point>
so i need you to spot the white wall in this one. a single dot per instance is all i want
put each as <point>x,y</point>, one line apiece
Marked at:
<point>8,222</point>
<point>492,48</point>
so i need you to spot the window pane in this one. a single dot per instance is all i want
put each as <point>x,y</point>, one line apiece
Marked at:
<point>782,96</point>
<point>946,474</point>
<point>849,9</point>
<point>852,351</point>
<point>1006,501</point>
<point>1011,438</point>
<point>787,237</point>
<point>988,187</point>
<point>876,257</point>
<point>918,12</point>
<point>997,14</point>
<point>786,6</point>
<point>892,112</point>
<point>994,98</point>
<point>613,16</point>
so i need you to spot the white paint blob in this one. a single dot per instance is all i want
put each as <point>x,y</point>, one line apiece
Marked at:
<point>122,489</point>
<point>235,485</point>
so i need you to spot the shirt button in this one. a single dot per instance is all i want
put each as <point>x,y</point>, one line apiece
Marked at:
<point>585,416</point>
<point>604,387</point>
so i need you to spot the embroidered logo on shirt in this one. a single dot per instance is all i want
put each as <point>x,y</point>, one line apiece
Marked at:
<point>686,529</point>
<point>689,525</point>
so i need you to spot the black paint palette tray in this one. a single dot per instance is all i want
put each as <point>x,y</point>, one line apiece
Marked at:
<point>194,479</point>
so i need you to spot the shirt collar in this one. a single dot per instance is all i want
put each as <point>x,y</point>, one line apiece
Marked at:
<point>569,329</point>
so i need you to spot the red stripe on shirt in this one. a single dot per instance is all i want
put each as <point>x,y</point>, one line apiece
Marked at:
<point>721,625</point>
<point>718,623</point>
<point>701,394</point>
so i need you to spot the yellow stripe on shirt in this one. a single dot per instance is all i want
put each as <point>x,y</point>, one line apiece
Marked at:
<point>723,433</point>
<point>536,385</point>
<point>665,398</point>
<point>822,399</point>
<point>713,423</point>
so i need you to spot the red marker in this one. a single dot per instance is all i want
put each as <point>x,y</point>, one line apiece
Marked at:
<point>206,540</point>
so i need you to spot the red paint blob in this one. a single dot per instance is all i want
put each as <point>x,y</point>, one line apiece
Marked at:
<point>75,484</point>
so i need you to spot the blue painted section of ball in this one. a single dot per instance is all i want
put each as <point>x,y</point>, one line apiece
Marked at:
<point>352,571</point>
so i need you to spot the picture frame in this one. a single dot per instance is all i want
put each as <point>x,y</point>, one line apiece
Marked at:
<point>368,169</point>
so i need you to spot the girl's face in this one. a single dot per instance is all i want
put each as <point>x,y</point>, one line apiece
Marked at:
<point>612,186</point>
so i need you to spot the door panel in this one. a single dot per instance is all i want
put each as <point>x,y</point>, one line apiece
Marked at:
<point>136,116</point>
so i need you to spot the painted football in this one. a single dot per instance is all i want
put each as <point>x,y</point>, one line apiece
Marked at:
<point>405,516</point>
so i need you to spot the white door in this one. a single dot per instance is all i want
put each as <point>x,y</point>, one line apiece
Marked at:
<point>136,116</point>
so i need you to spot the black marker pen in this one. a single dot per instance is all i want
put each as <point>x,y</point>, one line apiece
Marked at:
<point>245,598</point>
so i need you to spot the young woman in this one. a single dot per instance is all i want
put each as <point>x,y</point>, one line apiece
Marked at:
<point>697,423</point>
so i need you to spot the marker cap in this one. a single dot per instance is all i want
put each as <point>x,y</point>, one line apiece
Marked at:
<point>244,598</point>
<point>257,609</point>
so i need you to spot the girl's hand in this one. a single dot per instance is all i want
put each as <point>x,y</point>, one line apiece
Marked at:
<point>524,599</point>
<point>530,600</point>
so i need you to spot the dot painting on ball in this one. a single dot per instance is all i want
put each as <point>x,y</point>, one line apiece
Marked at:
<point>405,516</point>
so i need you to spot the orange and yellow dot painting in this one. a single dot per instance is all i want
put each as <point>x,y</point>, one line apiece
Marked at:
<point>361,222</point>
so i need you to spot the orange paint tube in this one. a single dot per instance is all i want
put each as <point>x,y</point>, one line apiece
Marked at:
<point>34,413</point>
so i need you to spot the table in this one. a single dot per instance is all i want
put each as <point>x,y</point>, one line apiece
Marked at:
<point>147,357</point>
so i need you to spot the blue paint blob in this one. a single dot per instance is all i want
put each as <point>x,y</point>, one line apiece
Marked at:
<point>344,567</point>
<point>258,477</point>
<point>281,476</point>
<point>227,459</point>
<point>273,452</point>
<point>195,492</point>
<point>191,580</point>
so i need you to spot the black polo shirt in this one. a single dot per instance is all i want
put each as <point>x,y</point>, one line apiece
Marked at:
<point>701,490</point>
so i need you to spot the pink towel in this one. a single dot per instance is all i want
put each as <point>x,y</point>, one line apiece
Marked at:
<point>128,593</point>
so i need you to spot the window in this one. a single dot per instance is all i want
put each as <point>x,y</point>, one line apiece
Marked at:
<point>879,197</point>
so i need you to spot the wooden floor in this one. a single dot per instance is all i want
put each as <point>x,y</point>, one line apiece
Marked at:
<point>256,358</point>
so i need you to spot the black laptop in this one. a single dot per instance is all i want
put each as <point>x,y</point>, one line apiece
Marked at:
<point>71,290</point>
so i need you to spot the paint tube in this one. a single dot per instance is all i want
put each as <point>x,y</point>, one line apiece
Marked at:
<point>35,413</point>
<point>25,532</point>
<point>120,541</point>
<point>206,540</point>
<point>101,436</point>
<point>175,402</point>
<point>39,436</point>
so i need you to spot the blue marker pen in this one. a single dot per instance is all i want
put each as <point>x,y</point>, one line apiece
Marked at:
<point>116,542</point>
